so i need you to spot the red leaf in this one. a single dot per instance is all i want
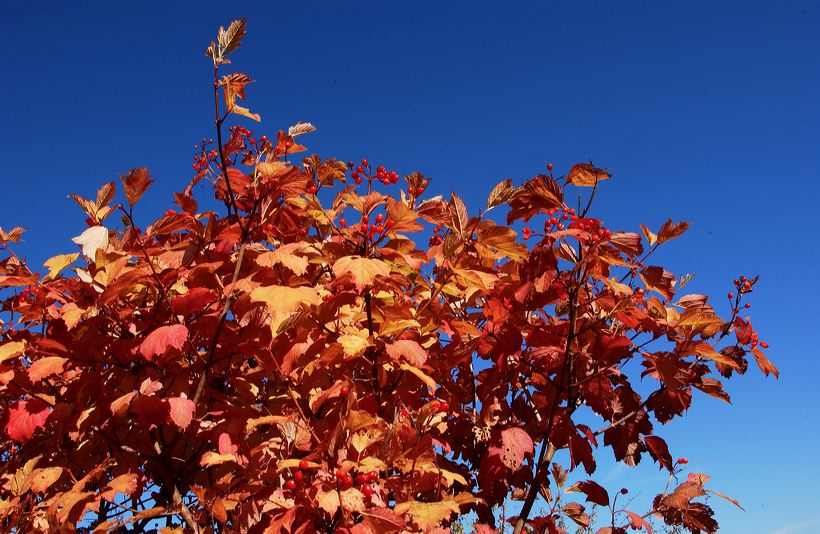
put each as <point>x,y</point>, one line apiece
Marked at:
<point>182,411</point>
<point>516,444</point>
<point>226,446</point>
<point>163,338</point>
<point>659,451</point>
<point>595,492</point>
<point>25,418</point>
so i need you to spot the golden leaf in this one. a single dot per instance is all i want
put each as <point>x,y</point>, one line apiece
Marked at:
<point>57,263</point>
<point>363,271</point>
<point>428,515</point>
<point>284,299</point>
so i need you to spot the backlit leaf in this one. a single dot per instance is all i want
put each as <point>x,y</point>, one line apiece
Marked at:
<point>362,271</point>
<point>586,175</point>
<point>163,339</point>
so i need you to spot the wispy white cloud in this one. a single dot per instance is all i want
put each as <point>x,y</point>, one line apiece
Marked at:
<point>798,527</point>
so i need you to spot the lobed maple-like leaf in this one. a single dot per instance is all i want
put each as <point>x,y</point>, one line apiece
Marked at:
<point>25,417</point>
<point>164,339</point>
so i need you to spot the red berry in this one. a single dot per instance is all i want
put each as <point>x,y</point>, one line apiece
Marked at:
<point>372,476</point>
<point>360,169</point>
<point>764,344</point>
<point>345,391</point>
<point>340,472</point>
<point>560,226</point>
<point>350,164</point>
<point>411,190</point>
<point>731,296</point>
<point>304,465</point>
<point>363,228</point>
<point>380,228</point>
<point>419,191</point>
<point>390,224</point>
<point>683,461</point>
<point>342,222</point>
<point>747,285</point>
<point>288,144</point>
<point>365,163</point>
<point>379,218</point>
<point>624,491</point>
<point>747,305</point>
<point>298,477</point>
<point>358,179</point>
<point>345,481</point>
<point>367,491</point>
<point>549,166</point>
<point>312,190</point>
<point>365,220</point>
<point>361,479</point>
<point>290,484</point>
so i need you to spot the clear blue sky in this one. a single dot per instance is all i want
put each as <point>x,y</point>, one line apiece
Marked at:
<point>703,112</point>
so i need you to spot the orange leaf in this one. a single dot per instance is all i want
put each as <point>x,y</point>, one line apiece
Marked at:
<point>586,175</point>
<point>44,367</point>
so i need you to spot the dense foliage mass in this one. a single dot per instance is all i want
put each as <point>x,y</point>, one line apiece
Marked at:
<point>300,363</point>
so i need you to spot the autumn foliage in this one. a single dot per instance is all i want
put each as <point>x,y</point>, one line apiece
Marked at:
<point>335,352</point>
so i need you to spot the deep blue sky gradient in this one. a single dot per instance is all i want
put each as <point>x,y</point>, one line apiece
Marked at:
<point>703,112</point>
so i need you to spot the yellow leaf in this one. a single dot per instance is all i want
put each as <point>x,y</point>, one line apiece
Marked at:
<point>10,350</point>
<point>211,458</point>
<point>353,345</point>
<point>287,257</point>
<point>284,299</point>
<point>363,271</point>
<point>428,515</point>
<point>328,501</point>
<point>57,263</point>
<point>353,500</point>
<point>120,405</point>
<point>266,420</point>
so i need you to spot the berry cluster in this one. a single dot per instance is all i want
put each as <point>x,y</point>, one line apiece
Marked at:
<point>298,475</point>
<point>242,138</point>
<point>555,221</point>
<point>596,233</point>
<point>364,171</point>
<point>277,150</point>
<point>378,226</point>
<point>364,480</point>
<point>436,238</point>
<point>743,286</point>
<point>205,157</point>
